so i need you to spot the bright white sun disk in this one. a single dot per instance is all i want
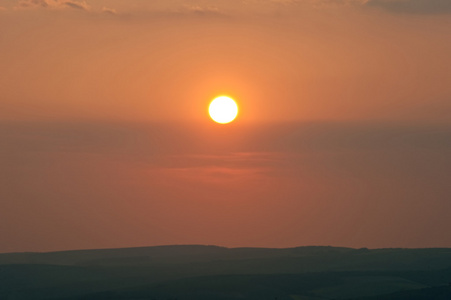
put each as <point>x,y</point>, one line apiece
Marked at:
<point>223,110</point>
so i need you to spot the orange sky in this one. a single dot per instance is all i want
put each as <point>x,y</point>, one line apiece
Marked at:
<point>164,60</point>
<point>343,136</point>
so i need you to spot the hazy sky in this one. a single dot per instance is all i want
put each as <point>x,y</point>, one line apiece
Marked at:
<point>343,137</point>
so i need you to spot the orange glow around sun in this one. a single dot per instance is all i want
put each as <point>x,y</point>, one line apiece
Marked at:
<point>223,110</point>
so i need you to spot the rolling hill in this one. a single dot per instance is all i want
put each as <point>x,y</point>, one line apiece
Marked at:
<point>211,272</point>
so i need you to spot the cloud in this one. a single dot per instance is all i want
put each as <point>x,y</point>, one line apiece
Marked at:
<point>108,10</point>
<point>396,6</point>
<point>77,5</point>
<point>285,1</point>
<point>184,10</point>
<point>413,6</point>
<point>330,3</point>
<point>202,10</point>
<point>54,4</point>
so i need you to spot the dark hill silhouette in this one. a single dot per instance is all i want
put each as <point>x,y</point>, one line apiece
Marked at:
<point>300,259</point>
<point>161,253</point>
<point>211,272</point>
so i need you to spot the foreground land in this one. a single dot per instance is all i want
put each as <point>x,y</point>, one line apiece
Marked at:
<point>216,273</point>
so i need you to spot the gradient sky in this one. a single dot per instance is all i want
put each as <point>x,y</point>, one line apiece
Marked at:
<point>343,137</point>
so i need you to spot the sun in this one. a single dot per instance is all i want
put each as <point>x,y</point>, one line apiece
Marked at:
<point>223,110</point>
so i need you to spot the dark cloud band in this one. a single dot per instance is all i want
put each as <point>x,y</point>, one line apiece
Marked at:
<point>413,6</point>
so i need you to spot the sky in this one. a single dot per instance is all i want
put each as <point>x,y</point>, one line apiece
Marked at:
<point>343,136</point>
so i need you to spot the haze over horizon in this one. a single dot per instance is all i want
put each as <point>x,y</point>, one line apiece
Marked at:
<point>343,136</point>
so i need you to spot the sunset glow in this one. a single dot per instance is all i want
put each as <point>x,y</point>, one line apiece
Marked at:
<point>269,123</point>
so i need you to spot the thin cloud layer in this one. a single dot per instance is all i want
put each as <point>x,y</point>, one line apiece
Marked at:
<point>302,175</point>
<point>222,8</point>
<point>54,4</point>
<point>413,6</point>
<point>194,9</point>
<point>201,10</point>
<point>110,11</point>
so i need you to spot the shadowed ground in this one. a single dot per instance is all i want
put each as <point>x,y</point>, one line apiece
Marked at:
<point>210,272</point>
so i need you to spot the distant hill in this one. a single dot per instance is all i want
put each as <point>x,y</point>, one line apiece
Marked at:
<point>211,272</point>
